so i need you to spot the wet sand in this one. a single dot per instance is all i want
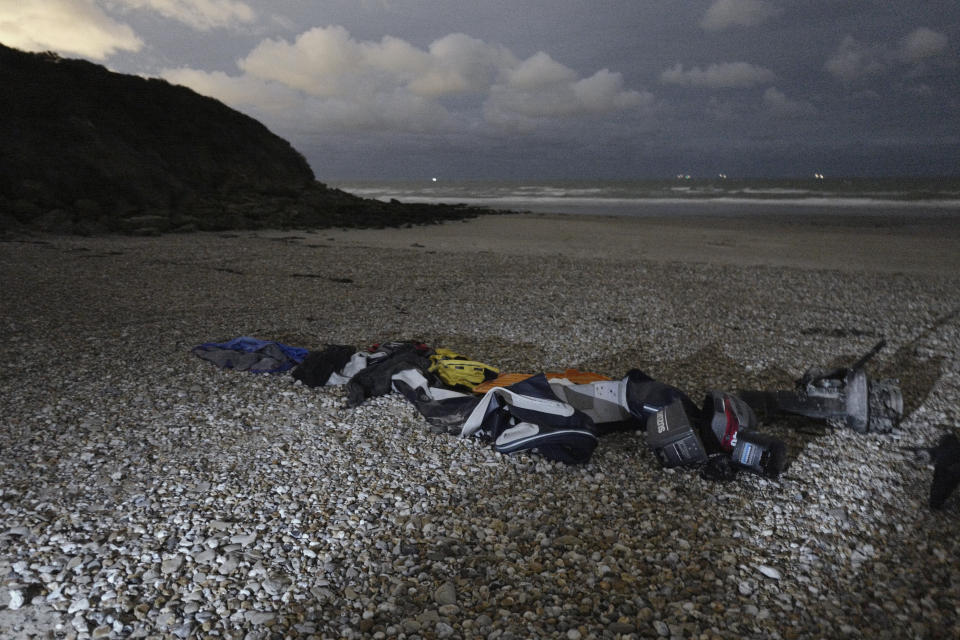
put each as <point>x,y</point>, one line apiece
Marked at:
<point>848,243</point>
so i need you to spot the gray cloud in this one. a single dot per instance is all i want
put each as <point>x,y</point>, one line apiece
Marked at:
<point>540,87</point>
<point>462,64</point>
<point>198,14</point>
<point>290,109</point>
<point>335,81</point>
<point>84,27</point>
<point>77,27</point>
<point>725,75</point>
<point>779,104</point>
<point>724,14</point>
<point>854,60</point>
<point>922,43</point>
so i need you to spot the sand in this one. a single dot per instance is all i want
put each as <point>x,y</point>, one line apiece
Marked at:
<point>849,243</point>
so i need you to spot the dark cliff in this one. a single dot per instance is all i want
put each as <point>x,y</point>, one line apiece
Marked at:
<point>86,150</point>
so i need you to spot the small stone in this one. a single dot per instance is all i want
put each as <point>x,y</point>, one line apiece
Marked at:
<point>229,566</point>
<point>661,628</point>
<point>430,616</point>
<point>443,630</point>
<point>16,599</point>
<point>79,605</point>
<point>102,631</point>
<point>243,539</point>
<point>448,610</point>
<point>573,634</point>
<point>171,565</point>
<point>770,572</point>
<point>80,624</point>
<point>260,617</point>
<point>566,541</point>
<point>445,594</point>
<point>204,557</point>
<point>276,584</point>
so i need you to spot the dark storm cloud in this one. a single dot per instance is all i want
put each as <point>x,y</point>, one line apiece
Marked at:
<point>550,88</point>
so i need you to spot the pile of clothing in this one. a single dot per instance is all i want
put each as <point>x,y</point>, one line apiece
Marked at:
<point>558,415</point>
<point>561,415</point>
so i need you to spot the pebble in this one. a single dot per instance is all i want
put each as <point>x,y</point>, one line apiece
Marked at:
<point>229,565</point>
<point>79,623</point>
<point>260,617</point>
<point>622,628</point>
<point>81,604</point>
<point>204,557</point>
<point>770,572</point>
<point>172,565</point>
<point>243,540</point>
<point>250,506</point>
<point>446,594</point>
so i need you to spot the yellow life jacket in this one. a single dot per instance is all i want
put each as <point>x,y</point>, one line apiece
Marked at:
<point>456,370</point>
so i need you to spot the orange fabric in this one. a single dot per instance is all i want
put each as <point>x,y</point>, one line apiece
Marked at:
<point>579,377</point>
<point>502,380</point>
<point>506,379</point>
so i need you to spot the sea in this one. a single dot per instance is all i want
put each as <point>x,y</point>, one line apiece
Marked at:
<point>684,195</point>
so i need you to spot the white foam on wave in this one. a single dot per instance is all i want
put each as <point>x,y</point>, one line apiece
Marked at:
<point>603,204</point>
<point>627,198</point>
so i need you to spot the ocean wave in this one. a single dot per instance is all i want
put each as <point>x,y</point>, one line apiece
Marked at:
<point>513,201</point>
<point>626,197</point>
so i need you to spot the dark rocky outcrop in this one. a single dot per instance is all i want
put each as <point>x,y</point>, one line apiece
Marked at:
<point>86,150</point>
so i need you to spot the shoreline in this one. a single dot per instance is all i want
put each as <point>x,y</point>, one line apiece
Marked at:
<point>838,240</point>
<point>848,243</point>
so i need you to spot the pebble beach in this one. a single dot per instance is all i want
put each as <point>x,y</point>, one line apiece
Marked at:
<point>145,493</point>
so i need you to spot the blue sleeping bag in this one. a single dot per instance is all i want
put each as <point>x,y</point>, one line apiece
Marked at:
<point>250,354</point>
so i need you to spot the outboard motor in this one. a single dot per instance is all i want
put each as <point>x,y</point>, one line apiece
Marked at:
<point>843,397</point>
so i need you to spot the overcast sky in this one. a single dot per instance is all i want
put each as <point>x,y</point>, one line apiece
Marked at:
<point>539,89</point>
